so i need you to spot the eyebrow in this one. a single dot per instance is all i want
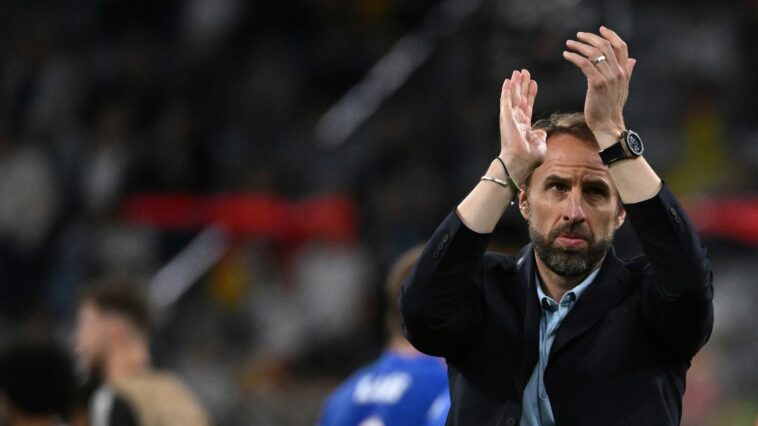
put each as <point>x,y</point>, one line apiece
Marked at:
<point>593,181</point>
<point>597,182</point>
<point>556,178</point>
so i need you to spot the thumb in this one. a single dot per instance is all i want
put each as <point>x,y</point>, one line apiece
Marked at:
<point>536,136</point>
<point>630,66</point>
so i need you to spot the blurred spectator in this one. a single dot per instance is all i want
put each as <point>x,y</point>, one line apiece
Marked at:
<point>112,343</point>
<point>28,210</point>
<point>37,383</point>
<point>401,386</point>
<point>28,194</point>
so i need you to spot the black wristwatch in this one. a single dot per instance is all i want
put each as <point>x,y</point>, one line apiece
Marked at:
<point>628,146</point>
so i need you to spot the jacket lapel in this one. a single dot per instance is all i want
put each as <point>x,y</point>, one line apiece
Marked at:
<point>532,312</point>
<point>610,286</point>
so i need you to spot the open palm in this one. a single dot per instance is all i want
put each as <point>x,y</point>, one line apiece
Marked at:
<point>520,147</point>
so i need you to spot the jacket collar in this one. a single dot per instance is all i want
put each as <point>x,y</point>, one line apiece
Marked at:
<point>610,286</point>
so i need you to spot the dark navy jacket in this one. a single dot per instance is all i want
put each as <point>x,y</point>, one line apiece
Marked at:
<point>619,358</point>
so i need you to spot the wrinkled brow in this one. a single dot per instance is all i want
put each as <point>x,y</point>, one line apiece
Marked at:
<point>591,181</point>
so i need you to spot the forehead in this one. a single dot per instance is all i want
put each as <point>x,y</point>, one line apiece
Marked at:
<point>571,157</point>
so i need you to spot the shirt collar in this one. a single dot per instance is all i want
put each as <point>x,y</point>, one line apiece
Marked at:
<point>570,296</point>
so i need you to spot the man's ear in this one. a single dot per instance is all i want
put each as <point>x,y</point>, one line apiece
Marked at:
<point>620,217</point>
<point>523,204</point>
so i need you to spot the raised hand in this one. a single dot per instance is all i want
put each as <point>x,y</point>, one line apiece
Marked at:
<point>521,148</point>
<point>605,61</point>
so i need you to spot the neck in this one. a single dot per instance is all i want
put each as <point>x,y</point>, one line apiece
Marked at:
<point>555,285</point>
<point>127,359</point>
<point>399,345</point>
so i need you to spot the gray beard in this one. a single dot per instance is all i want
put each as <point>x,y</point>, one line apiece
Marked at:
<point>569,262</point>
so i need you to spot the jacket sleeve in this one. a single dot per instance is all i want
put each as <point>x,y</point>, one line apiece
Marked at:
<point>441,300</point>
<point>677,285</point>
<point>122,414</point>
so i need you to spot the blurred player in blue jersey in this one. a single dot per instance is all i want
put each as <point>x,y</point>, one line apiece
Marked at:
<point>437,414</point>
<point>402,387</point>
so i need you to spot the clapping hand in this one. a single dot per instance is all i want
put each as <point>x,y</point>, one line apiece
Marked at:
<point>521,148</point>
<point>604,60</point>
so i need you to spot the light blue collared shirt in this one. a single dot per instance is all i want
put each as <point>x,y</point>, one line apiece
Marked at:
<point>536,403</point>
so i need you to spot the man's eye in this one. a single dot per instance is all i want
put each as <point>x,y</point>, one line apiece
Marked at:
<point>558,186</point>
<point>596,191</point>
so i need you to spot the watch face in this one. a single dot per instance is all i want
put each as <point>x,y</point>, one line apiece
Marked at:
<point>634,143</point>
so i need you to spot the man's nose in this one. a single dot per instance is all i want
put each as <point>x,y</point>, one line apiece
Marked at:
<point>573,211</point>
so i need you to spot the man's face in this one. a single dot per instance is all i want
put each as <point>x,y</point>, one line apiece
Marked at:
<point>90,335</point>
<point>571,206</point>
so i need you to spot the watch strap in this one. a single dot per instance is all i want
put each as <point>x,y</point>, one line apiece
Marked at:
<point>614,152</point>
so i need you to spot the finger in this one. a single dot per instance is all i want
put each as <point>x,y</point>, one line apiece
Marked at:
<point>505,97</point>
<point>584,49</point>
<point>619,45</point>
<point>609,68</point>
<point>592,53</point>
<point>601,44</point>
<point>588,51</point>
<point>584,64</point>
<point>526,79</point>
<point>536,136</point>
<point>516,89</point>
<point>530,96</point>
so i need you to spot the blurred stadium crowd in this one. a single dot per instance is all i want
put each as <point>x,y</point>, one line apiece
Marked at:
<point>104,101</point>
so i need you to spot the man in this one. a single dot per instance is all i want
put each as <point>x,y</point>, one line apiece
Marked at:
<point>567,333</point>
<point>111,341</point>
<point>401,386</point>
<point>37,383</point>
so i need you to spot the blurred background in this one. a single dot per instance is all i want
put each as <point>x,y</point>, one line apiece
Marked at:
<point>256,166</point>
